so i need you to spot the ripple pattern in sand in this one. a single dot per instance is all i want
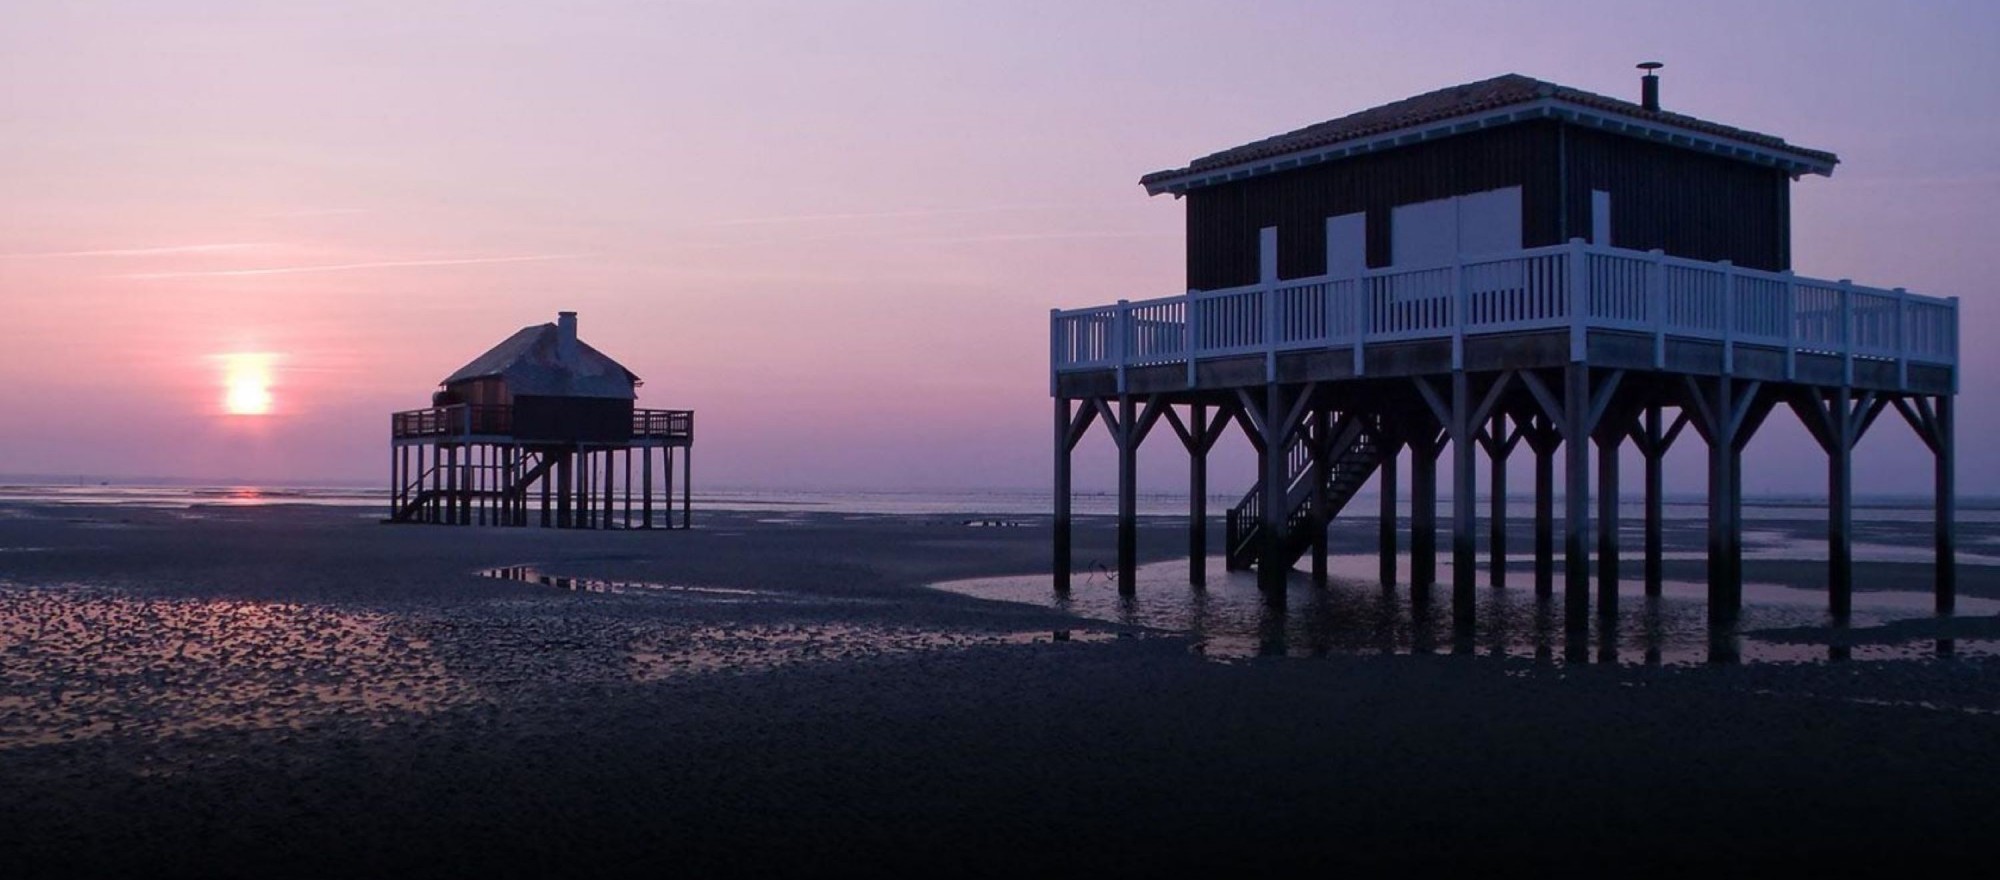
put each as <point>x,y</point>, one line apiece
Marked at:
<point>79,662</point>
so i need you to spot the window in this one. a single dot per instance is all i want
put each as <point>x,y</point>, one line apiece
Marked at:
<point>1437,232</point>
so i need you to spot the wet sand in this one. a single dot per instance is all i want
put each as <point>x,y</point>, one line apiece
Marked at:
<point>303,691</point>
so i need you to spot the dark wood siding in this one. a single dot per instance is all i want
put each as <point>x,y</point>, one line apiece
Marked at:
<point>1223,220</point>
<point>1688,204</point>
<point>589,419</point>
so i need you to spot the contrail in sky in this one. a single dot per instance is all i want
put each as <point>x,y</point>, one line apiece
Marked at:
<point>346,267</point>
<point>884,215</point>
<point>139,252</point>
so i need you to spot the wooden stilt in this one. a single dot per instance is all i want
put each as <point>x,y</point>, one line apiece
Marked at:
<point>547,483</point>
<point>1385,487</point>
<point>1544,442</point>
<point>565,483</point>
<point>1069,427</point>
<point>1726,413</point>
<point>1655,452</point>
<point>1608,440</point>
<point>1424,449</point>
<point>646,487</point>
<point>395,480</point>
<point>1499,443</point>
<point>1461,416</point>
<point>1125,432</point>
<point>687,487</point>
<point>1198,495</point>
<point>1932,419</point>
<point>1320,441</point>
<point>1271,565</point>
<point>1576,497</point>
<point>1464,500</point>
<point>1946,515</point>
<point>610,508</point>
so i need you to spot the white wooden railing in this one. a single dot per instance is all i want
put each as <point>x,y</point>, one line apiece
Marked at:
<point>1577,286</point>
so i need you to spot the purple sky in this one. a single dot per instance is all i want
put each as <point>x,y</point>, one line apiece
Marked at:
<point>834,229</point>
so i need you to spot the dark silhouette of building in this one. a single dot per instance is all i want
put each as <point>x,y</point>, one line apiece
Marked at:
<point>1504,262</point>
<point>541,415</point>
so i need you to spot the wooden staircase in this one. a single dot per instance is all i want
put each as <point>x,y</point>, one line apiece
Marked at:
<point>1356,450</point>
<point>425,503</point>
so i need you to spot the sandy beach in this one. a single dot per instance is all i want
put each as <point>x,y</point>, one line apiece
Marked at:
<point>302,690</point>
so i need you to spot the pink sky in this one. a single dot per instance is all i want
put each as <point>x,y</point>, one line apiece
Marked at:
<point>833,229</point>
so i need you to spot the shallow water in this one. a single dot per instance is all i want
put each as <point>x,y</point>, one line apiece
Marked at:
<point>529,574</point>
<point>1231,619</point>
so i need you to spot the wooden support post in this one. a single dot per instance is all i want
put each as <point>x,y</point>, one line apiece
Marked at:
<point>1656,505</point>
<point>1721,607</point>
<point>547,482</point>
<point>1464,502</point>
<point>1945,517</point>
<point>467,473</point>
<point>1424,450</point>
<point>1576,497</point>
<point>687,487</point>
<point>1386,518</point>
<point>1726,416</point>
<point>1608,441</point>
<point>1198,496</point>
<point>646,487</point>
<point>1063,446</point>
<point>1840,504</point>
<point>1932,419</point>
<point>628,487</point>
<point>565,480</point>
<point>1125,432</point>
<point>1321,441</point>
<point>1498,444</point>
<point>605,517</point>
<point>1272,566</point>
<point>667,483</point>
<point>1544,444</point>
<point>395,479</point>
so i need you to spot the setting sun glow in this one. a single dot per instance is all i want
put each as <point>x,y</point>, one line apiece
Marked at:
<point>246,384</point>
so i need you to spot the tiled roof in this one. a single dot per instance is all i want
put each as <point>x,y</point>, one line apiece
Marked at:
<point>1466,100</point>
<point>531,362</point>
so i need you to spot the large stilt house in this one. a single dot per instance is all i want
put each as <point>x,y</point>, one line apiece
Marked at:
<point>1500,263</point>
<point>541,423</point>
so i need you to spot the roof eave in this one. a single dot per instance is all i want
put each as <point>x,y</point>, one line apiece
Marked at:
<point>1792,161</point>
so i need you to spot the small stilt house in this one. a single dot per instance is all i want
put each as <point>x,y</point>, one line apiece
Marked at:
<point>541,417</point>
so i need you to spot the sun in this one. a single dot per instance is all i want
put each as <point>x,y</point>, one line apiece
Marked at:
<point>246,383</point>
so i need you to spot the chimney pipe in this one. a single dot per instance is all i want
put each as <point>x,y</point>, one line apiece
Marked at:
<point>566,337</point>
<point>1649,86</point>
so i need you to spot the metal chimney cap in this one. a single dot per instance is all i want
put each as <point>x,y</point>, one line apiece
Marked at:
<point>1650,66</point>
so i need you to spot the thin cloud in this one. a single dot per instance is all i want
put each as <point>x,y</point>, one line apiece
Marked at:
<point>886,215</point>
<point>1038,236</point>
<point>166,250</point>
<point>349,267</point>
<point>317,212</point>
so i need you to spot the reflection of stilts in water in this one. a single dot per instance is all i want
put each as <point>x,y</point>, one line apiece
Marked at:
<point>1271,627</point>
<point>1655,632</point>
<point>1607,638</point>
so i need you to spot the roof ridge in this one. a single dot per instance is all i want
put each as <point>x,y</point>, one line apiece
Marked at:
<point>1462,100</point>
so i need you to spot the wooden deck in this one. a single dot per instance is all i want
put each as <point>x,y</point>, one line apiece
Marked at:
<point>467,423</point>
